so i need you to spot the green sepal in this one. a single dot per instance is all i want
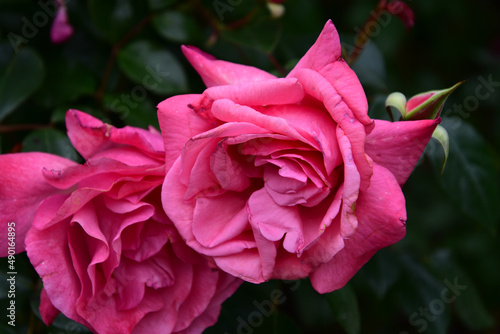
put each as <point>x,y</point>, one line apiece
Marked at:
<point>441,135</point>
<point>397,101</point>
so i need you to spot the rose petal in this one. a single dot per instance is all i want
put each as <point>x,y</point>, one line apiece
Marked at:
<point>324,51</point>
<point>22,188</point>
<point>218,72</point>
<point>181,213</point>
<point>202,291</point>
<point>318,87</point>
<point>228,111</point>
<point>381,215</point>
<point>274,221</point>
<point>350,193</point>
<point>226,286</point>
<point>90,136</point>
<point>47,311</point>
<point>178,124</point>
<point>227,220</point>
<point>229,172</point>
<point>398,146</point>
<point>254,265</point>
<point>286,191</point>
<point>48,253</point>
<point>347,85</point>
<point>314,124</point>
<point>259,93</point>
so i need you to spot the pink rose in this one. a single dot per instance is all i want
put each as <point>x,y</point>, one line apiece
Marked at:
<point>286,177</point>
<point>108,255</point>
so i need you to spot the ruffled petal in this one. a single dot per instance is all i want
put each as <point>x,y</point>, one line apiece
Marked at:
<point>350,193</point>
<point>49,254</point>
<point>182,212</point>
<point>226,286</point>
<point>22,188</point>
<point>319,87</point>
<point>179,123</point>
<point>275,221</point>
<point>90,136</point>
<point>382,219</point>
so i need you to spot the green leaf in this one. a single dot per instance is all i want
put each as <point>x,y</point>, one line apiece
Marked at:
<point>318,318</point>
<point>153,68</point>
<point>467,301</point>
<point>381,272</point>
<point>470,178</point>
<point>420,299</point>
<point>261,34</point>
<point>345,309</point>
<point>113,18</point>
<point>67,82</point>
<point>178,27</point>
<point>20,76</point>
<point>135,110</point>
<point>441,135</point>
<point>50,141</point>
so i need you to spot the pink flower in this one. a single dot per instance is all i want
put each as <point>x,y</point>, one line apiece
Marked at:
<point>286,177</point>
<point>61,29</point>
<point>108,255</point>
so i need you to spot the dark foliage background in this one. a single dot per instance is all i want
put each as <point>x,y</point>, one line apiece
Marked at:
<point>452,219</point>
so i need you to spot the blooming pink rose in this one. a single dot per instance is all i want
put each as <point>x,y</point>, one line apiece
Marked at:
<point>286,177</point>
<point>108,255</point>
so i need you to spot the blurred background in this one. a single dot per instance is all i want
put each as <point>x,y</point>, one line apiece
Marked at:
<point>443,277</point>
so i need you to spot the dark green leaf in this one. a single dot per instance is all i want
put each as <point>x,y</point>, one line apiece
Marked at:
<point>278,323</point>
<point>381,272</point>
<point>50,141</point>
<point>178,27</point>
<point>262,34</point>
<point>67,82</point>
<point>133,109</point>
<point>345,309</point>
<point>114,18</point>
<point>303,295</point>
<point>20,76</point>
<point>466,298</point>
<point>420,299</point>
<point>470,178</point>
<point>152,67</point>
